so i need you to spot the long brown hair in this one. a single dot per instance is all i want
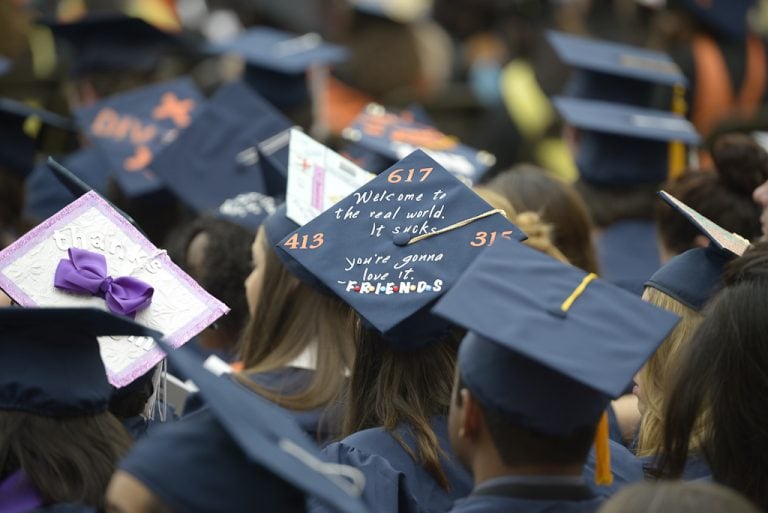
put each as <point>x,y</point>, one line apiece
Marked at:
<point>531,189</point>
<point>291,315</point>
<point>68,459</point>
<point>390,388</point>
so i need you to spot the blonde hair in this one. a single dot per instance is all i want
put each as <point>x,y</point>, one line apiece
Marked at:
<point>678,496</point>
<point>660,369</point>
<point>540,234</point>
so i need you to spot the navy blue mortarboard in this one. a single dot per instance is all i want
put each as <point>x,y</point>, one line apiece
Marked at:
<point>102,42</point>
<point>395,10</point>
<point>623,145</point>
<point>396,244</point>
<point>277,61</point>
<point>549,345</point>
<point>608,71</point>
<point>248,209</point>
<point>132,127</point>
<point>725,17</point>
<point>694,276</point>
<point>49,359</point>
<point>222,153</point>
<point>261,455</point>
<point>394,136</point>
<point>17,149</point>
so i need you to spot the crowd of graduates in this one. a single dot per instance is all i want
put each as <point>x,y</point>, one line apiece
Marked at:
<point>383,256</point>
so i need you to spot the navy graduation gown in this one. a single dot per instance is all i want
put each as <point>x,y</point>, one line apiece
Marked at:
<point>625,466</point>
<point>695,468</point>
<point>64,508</point>
<point>628,253</point>
<point>500,504</point>
<point>528,494</point>
<point>395,482</point>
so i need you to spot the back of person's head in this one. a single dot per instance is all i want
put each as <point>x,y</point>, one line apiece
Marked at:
<point>680,497</point>
<point>67,459</point>
<point>393,387</point>
<point>531,189</point>
<point>217,254</point>
<point>654,376</point>
<point>724,196</point>
<point>751,266</point>
<point>287,317</point>
<point>722,372</point>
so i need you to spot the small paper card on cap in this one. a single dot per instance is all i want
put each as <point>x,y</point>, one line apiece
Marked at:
<point>131,128</point>
<point>398,135</point>
<point>318,178</point>
<point>719,236</point>
<point>179,307</point>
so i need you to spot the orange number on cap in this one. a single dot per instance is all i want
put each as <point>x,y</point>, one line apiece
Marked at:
<point>488,238</point>
<point>304,242</point>
<point>396,177</point>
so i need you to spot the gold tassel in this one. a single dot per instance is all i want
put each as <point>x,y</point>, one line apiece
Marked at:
<point>603,475</point>
<point>677,160</point>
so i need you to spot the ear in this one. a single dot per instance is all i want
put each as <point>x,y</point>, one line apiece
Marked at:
<point>701,241</point>
<point>471,416</point>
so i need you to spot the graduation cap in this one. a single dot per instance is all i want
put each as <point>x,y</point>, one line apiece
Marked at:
<point>224,151</point>
<point>694,276</point>
<point>725,17</point>
<point>248,209</point>
<point>394,136</point>
<point>261,455</point>
<point>608,71</point>
<point>549,345</point>
<point>277,61</point>
<point>623,145</point>
<point>393,246</point>
<point>49,359</point>
<point>318,177</point>
<point>132,127</point>
<point>102,42</point>
<point>17,149</point>
<point>400,11</point>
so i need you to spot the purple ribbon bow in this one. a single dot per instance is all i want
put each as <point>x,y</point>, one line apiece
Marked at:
<point>18,494</point>
<point>86,273</point>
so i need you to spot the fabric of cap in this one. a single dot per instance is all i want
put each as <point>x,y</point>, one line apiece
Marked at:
<point>50,363</point>
<point>132,128</point>
<point>218,155</point>
<point>608,71</point>
<point>593,335</point>
<point>262,455</point>
<point>278,226</point>
<point>623,145</point>
<point>367,249</point>
<point>692,277</point>
<point>102,42</point>
<point>726,18</point>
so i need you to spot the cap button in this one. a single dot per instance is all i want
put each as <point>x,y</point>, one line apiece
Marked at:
<point>401,239</point>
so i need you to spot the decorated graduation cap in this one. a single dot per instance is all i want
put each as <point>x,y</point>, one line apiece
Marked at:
<point>49,359</point>
<point>623,145</point>
<point>17,148</point>
<point>261,454</point>
<point>393,246</point>
<point>103,42</point>
<point>132,127</point>
<point>394,136</point>
<point>318,177</point>
<point>724,17</point>
<point>89,255</point>
<point>694,276</point>
<point>277,61</point>
<point>608,71</point>
<point>46,195</point>
<point>549,345</point>
<point>247,209</point>
<point>401,11</point>
<point>223,152</point>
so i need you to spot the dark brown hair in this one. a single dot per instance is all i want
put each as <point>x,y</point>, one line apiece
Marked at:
<point>724,196</point>
<point>531,189</point>
<point>68,459</point>
<point>392,388</point>
<point>724,370</point>
<point>289,316</point>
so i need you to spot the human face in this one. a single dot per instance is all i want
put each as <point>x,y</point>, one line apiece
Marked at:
<point>126,494</point>
<point>255,280</point>
<point>760,196</point>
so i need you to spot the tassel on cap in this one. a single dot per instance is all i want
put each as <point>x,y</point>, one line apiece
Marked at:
<point>603,475</point>
<point>677,160</point>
